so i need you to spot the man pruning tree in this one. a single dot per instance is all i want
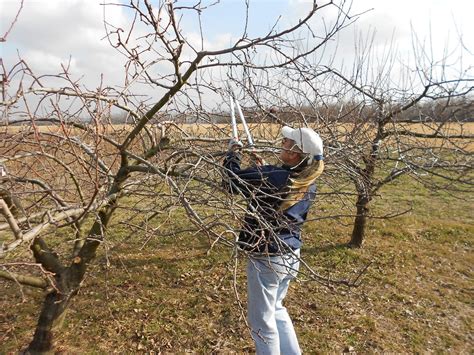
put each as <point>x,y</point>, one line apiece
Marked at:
<point>279,198</point>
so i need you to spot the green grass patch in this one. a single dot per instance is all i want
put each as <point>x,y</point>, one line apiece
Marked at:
<point>167,291</point>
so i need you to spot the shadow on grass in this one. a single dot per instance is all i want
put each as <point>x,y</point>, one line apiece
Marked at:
<point>327,248</point>
<point>157,260</point>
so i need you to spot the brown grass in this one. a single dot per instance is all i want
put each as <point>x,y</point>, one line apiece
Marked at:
<point>173,297</point>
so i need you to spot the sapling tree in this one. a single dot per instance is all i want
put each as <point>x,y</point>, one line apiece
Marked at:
<point>382,118</point>
<point>395,135</point>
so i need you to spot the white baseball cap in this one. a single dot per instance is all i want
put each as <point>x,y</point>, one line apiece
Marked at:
<point>307,140</point>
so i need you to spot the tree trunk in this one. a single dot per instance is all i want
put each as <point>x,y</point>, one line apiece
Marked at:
<point>358,232</point>
<point>66,285</point>
<point>52,313</point>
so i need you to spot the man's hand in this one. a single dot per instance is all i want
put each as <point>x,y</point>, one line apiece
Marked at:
<point>235,144</point>
<point>258,160</point>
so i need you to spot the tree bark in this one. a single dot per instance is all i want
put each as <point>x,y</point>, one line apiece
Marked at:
<point>360,222</point>
<point>52,314</point>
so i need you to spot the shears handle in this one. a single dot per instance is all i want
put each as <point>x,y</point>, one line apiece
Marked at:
<point>235,134</point>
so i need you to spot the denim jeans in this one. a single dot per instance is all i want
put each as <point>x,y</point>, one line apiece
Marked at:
<point>268,278</point>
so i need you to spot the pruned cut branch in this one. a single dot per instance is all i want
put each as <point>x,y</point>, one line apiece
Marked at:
<point>26,280</point>
<point>11,220</point>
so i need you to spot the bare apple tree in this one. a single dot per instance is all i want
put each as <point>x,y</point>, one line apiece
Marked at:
<point>405,120</point>
<point>68,171</point>
<point>382,117</point>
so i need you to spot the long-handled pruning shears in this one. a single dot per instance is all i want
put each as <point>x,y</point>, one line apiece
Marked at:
<point>235,134</point>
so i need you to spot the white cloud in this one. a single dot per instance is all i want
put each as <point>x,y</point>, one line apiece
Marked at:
<point>51,32</point>
<point>425,18</point>
<point>43,61</point>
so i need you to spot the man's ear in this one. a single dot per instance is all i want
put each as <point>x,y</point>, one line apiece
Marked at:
<point>295,157</point>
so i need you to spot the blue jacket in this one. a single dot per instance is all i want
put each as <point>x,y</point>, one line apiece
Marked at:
<point>266,229</point>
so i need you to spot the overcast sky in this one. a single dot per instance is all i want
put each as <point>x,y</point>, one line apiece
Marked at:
<point>51,32</point>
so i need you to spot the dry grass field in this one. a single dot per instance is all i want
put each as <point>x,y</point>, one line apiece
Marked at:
<point>257,128</point>
<point>173,296</point>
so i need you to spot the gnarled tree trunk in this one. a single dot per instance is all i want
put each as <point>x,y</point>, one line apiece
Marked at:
<point>67,280</point>
<point>358,232</point>
<point>52,313</point>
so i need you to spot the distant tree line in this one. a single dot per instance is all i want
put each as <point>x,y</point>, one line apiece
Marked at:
<point>446,110</point>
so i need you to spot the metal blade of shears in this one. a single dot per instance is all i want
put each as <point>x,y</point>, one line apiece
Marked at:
<point>244,122</point>
<point>235,134</point>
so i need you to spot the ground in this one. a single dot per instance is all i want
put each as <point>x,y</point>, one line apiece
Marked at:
<point>175,294</point>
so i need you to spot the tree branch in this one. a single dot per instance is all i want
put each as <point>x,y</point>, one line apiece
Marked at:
<point>26,280</point>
